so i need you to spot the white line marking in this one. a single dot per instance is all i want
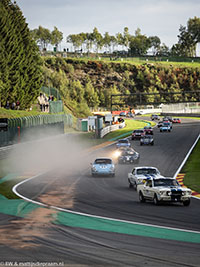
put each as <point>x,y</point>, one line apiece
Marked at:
<point>186,157</point>
<point>14,189</point>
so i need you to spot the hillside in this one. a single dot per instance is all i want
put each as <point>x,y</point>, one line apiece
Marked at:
<point>86,84</point>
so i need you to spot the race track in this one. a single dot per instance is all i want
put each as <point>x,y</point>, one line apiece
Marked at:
<point>38,238</point>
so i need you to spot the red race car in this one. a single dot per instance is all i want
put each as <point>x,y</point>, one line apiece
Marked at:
<point>148,130</point>
<point>176,120</point>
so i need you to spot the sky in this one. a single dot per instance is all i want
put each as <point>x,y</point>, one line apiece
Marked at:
<point>160,18</point>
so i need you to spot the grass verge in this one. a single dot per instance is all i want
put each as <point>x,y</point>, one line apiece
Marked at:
<point>192,169</point>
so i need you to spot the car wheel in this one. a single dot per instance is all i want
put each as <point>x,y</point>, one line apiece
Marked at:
<point>152,143</point>
<point>186,203</point>
<point>130,185</point>
<point>155,200</point>
<point>141,197</point>
<point>141,144</point>
<point>135,186</point>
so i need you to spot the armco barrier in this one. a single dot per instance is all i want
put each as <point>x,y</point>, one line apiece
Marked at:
<point>18,127</point>
<point>111,128</point>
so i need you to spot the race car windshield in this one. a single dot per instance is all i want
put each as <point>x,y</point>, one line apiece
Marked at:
<point>123,141</point>
<point>103,161</point>
<point>138,131</point>
<point>128,153</point>
<point>146,171</point>
<point>165,182</point>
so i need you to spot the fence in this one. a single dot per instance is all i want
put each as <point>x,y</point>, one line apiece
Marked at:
<point>111,128</point>
<point>34,127</point>
<point>51,91</point>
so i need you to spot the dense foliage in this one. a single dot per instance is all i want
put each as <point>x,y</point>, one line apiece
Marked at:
<point>20,73</point>
<point>89,84</point>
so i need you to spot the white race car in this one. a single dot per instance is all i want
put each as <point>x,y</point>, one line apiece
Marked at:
<point>164,190</point>
<point>140,174</point>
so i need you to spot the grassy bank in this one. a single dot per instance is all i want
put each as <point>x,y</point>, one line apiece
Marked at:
<point>8,113</point>
<point>192,169</point>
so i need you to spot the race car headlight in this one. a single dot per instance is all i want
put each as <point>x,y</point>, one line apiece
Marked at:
<point>112,168</point>
<point>186,193</point>
<point>161,192</point>
<point>94,168</point>
<point>117,153</point>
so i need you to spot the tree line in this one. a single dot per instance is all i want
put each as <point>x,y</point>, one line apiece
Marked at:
<point>20,62</point>
<point>136,45</point>
<point>98,80</point>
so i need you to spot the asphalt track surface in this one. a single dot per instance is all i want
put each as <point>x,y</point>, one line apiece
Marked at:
<point>38,240</point>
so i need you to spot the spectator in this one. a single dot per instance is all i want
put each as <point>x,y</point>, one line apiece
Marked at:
<point>17,104</point>
<point>41,101</point>
<point>7,105</point>
<point>46,103</point>
<point>13,105</point>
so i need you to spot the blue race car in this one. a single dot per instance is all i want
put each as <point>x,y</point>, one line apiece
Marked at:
<point>103,166</point>
<point>166,127</point>
<point>147,140</point>
<point>123,143</point>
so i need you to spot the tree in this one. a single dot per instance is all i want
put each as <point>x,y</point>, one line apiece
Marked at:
<point>126,37</point>
<point>119,38</point>
<point>106,41</point>
<point>139,44</point>
<point>20,62</point>
<point>75,40</point>
<point>42,36</point>
<point>186,42</point>
<point>154,43</point>
<point>97,39</point>
<point>90,95</point>
<point>163,50</point>
<point>56,37</point>
<point>194,29</point>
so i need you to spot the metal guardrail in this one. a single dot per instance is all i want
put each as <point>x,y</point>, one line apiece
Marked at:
<point>44,124</point>
<point>111,128</point>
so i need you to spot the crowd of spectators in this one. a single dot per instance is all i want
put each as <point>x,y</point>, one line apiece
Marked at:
<point>13,105</point>
<point>43,101</point>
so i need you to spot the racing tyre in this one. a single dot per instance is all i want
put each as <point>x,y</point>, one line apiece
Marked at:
<point>141,197</point>
<point>155,200</point>
<point>186,203</point>
<point>130,185</point>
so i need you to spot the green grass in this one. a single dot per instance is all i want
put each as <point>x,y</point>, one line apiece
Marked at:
<point>139,61</point>
<point>8,113</point>
<point>6,189</point>
<point>192,169</point>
